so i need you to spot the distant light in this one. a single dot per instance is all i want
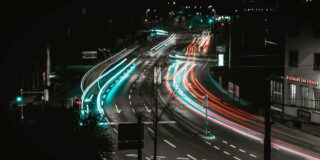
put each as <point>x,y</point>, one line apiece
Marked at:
<point>19,99</point>
<point>220,59</point>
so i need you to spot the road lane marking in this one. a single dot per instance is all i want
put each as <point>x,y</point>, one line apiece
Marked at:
<point>130,90</point>
<point>191,157</point>
<point>133,110</point>
<point>131,155</point>
<point>129,96</point>
<point>150,130</point>
<point>172,145</point>
<point>130,103</point>
<point>148,158</point>
<point>227,153</point>
<point>232,146</point>
<point>208,143</point>
<point>275,147</point>
<point>252,155</point>
<point>115,130</point>
<point>104,96</point>
<point>216,147</point>
<point>183,158</point>
<point>236,158</point>
<point>241,150</point>
<point>112,85</point>
<point>225,142</point>
<point>108,90</point>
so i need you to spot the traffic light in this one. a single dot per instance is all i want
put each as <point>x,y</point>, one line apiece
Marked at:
<point>77,103</point>
<point>210,21</point>
<point>19,99</point>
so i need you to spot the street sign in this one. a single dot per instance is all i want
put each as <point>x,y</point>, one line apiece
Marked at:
<point>128,136</point>
<point>89,54</point>
<point>157,75</point>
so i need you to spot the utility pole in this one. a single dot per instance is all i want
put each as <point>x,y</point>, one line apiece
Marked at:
<point>156,110</point>
<point>267,123</point>
<point>205,105</point>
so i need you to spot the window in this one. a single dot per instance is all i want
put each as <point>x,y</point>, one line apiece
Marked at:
<point>304,96</point>
<point>293,58</point>
<point>316,65</point>
<point>276,91</point>
<point>292,93</point>
<point>317,99</point>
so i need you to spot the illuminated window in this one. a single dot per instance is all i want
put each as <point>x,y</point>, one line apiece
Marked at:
<point>304,96</point>
<point>316,65</point>
<point>292,93</point>
<point>293,58</point>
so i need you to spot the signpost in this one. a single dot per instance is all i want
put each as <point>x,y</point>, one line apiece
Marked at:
<point>131,136</point>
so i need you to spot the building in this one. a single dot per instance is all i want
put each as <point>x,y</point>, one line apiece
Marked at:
<point>254,51</point>
<point>301,76</point>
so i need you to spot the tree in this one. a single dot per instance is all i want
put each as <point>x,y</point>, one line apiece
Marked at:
<point>95,138</point>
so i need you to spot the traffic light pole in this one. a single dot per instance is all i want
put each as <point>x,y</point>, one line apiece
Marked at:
<point>156,116</point>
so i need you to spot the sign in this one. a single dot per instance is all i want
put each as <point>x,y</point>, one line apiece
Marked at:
<point>303,115</point>
<point>302,80</point>
<point>220,59</point>
<point>89,54</point>
<point>236,90</point>
<point>221,49</point>
<point>128,136</point>
<point>230,87</point>
<point>157,75</point>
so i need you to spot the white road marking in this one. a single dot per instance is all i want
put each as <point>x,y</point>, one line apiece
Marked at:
<point>104,96</point>
<point>182,158</point>
<point>148,158</point>
<point>252,155</point>
<point>130,90</point>
<point>150,130</point>
<point>133,110</point>
<point>232,146</point>
<point>236,158</point>
<point>130,103</point>
<point>227,153</point>
<point>115,130</point>
<point>216,147</point>
<point>275,147</point>
<point>172,145</point>
<point>191,157</point>
<point>112,85</point>
<point>208,143</point>
<point>241,150</point>
<point>108,90</point>
<point>225,142</point>
<point>131,155</point>
<point>129,96</point>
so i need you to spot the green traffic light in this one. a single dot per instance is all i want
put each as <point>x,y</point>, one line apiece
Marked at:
<point>210,21</point>
<point>19,99</point>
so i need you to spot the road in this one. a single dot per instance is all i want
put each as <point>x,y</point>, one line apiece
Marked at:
<point>128,90</point>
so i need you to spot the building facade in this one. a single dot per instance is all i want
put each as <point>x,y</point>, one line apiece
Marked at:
<point>299,97</point>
